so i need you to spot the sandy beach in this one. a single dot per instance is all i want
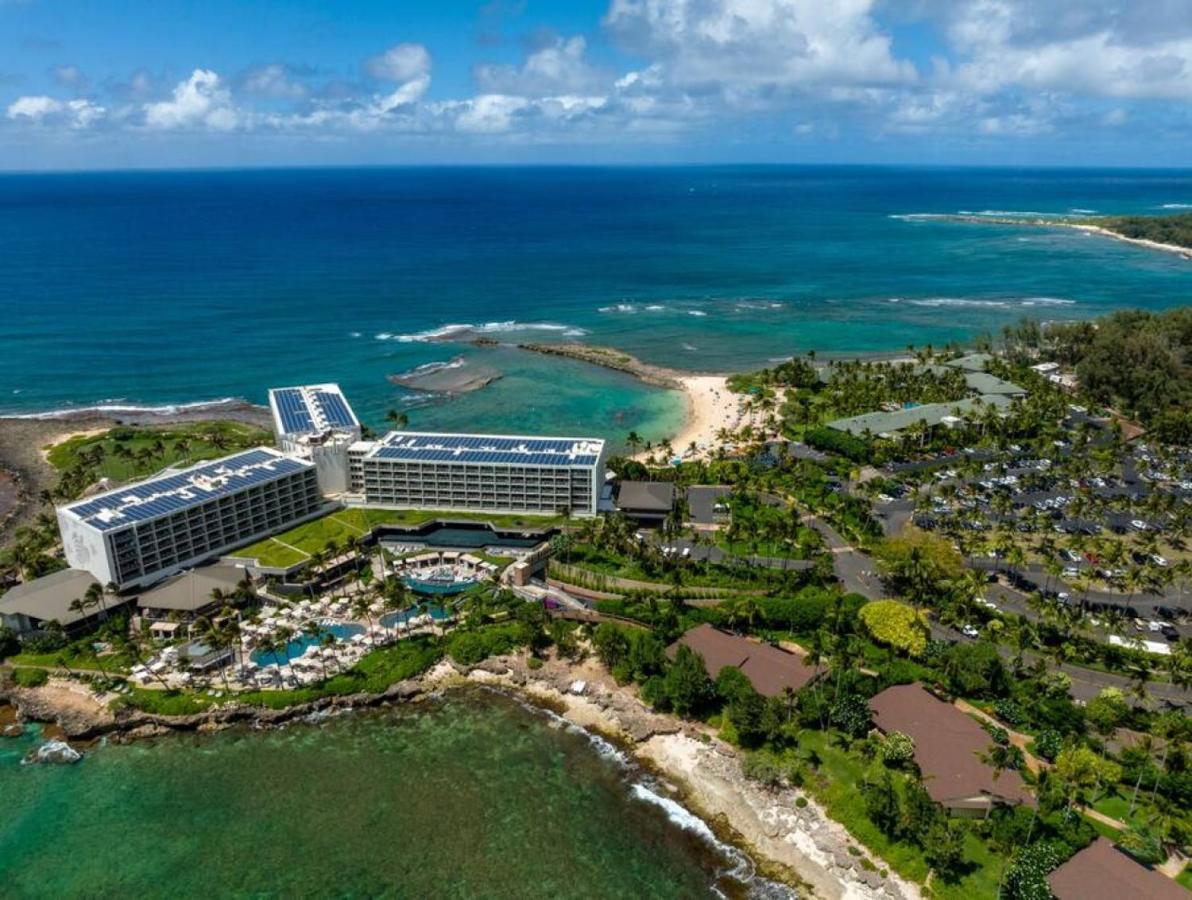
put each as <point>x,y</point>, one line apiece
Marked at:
<point>712,410</point>
<point>1141,242</point>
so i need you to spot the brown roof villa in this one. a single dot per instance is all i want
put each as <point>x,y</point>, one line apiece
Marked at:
<point>769,669</point>
<point>948,747</point>
<point>1103,872</point>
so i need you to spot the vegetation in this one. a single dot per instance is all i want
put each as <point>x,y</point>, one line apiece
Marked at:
<point>134,451</point>
<point>896,625</point>
<point>1171,229</point>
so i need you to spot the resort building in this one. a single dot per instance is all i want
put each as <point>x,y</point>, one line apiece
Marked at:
<point>646,502</point>
<point>1103,872</point>
<point>770,670</point>
<point>316,422</point>
<point>930,414</point>
<point>140,533</point>
<point>184,597</point>
<point>948,750</point>
<point>33,605</point>
<point>479,473</point>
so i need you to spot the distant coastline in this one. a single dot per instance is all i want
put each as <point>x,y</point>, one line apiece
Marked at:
<point>1086,225</point>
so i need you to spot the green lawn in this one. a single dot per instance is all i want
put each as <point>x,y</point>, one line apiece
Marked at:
<point>1117,806</point>
<point>344,524</point>
<point>1185,877</point>
<point>836,789</point>
<point>179,444</point>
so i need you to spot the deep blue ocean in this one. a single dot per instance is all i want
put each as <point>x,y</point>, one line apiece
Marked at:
<point>147,289</point>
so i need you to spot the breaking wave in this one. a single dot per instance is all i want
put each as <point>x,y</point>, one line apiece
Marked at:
<point>457,331</point>
<point>117,406</point>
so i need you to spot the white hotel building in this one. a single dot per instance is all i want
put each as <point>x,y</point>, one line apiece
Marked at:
<point>136,535</point>
<point>316,422</point>
<point>478,473</point>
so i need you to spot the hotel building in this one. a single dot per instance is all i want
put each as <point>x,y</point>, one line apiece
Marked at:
<point>316,422</point>
<point>478,473</point>
<point>135,535</point>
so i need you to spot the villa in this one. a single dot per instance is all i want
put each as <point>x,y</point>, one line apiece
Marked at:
<point>179,600</point>
<point>1103,872</point>
<point>770,670</point>
<point>646,502</point>
<point>948,750</point>
<point>31,606</point>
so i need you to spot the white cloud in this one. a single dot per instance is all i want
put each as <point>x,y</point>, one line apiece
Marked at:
<point>744,45</point>
<point>201,101</point>
<point>559,67</point>
<point>274,81</point>
<point>70,77</point>
<point>75,114</point>
<point>401,62</point>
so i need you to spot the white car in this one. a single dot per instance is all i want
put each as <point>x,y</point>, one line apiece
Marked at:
<point>1071,572</point>
<point>970,631</point>
<point>1154,626</point>
<point>988,604</point>
<point>1139,524</point>
<point>1158,560</point>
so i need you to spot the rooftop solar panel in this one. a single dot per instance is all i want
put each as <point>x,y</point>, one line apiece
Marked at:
<point>311,409</point>
<point>489,449</point>
<point>190,487</point>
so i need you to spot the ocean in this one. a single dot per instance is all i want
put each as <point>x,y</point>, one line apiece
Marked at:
<point>159,288</point>
<point>475,796</point>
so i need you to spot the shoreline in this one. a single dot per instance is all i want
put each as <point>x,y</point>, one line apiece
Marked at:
<point>800,847</point>
<point>1085,226</point>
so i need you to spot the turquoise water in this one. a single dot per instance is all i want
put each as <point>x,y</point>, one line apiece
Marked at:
<point>474,797</point>
<point>433,609</point>
<point>301,642</point>
<point>192,286</point>
<point>423,586</point>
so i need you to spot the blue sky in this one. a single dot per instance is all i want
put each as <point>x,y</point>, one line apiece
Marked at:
<point>310,82</point>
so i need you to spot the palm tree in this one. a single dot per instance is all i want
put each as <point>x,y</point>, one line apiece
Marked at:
<point>398,420</point>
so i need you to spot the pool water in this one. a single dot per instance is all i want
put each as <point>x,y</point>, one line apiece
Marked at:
<point>300,643</point>
<point>436,612</point>
<point>424,586</point>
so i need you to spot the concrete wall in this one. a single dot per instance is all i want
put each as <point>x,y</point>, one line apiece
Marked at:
<point>85,548</point>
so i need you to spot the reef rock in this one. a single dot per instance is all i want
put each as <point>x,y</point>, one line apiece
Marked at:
<point>55,752</point>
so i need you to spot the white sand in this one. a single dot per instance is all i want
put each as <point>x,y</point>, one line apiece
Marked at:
<point>712,409</point>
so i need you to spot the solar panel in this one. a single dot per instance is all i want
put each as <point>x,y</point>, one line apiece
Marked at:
<point>310,410</point>
<point>335,410</point>
<point>198,484</point>
<point>490,449</point>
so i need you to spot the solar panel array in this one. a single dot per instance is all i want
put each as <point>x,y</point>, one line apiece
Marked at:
<point>171,493</point>
<point>295,415</point>
<point>493,449</point>
<point>306,410</point>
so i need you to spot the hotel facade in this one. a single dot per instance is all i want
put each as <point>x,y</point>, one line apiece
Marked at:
<point>478,473</point>
<point>135,535</point>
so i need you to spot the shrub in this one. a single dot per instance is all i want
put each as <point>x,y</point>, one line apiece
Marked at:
<point>761,766</point>
<point>801,802</point>
<point>1048,743</point>
<point>840,442</point>
<point>896,625</point>
<point>1026,878</point>
<point>897,748</point>
<point>9,644</point>
<point>30,678</point>
<point>1009,711</point>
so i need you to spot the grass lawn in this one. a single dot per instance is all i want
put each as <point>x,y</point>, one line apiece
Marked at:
<point>292,547</point>
<point>78,655</point>
<point>1117,806</point>
<point>1185,877</point>
<point>836,789</point>
<point>179,444</point>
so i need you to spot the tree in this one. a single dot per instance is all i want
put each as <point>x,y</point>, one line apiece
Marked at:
<point>1083,770</point>
<point>897,749</point>
<point>943,845</point>
<point>850,713</point>
<point>881,803</point>
<point>896,625</point>
<point>1026,879</point>
<point>610,644</point>
<point>686,682</point>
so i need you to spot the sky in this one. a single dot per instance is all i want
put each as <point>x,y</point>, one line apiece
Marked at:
<point>170,83</point>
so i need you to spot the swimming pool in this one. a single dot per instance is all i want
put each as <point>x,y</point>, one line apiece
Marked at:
<point>438,613</point>
<point>424,586</point>
<point>298,646</point>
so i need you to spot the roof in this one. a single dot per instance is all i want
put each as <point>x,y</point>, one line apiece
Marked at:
<point>491,449</point>
<point>191,590</point>
<point>50,596</point>
<point>646,496</point>
<point>769,669</point>
<point>973,362</point>
<point>1103,872</point>
<point>948,746</point>
<point>931,413</point>
<point>311,409</point>
<point>702,501</point>
<point>984,383</point>
<point>178,489</point>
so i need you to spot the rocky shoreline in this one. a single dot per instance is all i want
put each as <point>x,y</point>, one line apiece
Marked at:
<point>611,358</point>
<point>793,843</point>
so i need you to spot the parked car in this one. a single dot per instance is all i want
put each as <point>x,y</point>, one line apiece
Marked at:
<point>970,631</point>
